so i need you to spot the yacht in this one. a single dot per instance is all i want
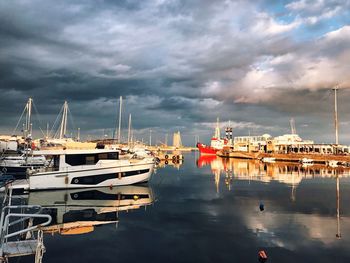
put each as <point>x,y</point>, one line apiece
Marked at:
<point>69,169</point>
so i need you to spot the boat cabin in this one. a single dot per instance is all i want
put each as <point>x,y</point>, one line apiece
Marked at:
<point>64,158</point>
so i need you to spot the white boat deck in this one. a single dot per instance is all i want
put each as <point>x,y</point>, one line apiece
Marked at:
<point>20,248</point>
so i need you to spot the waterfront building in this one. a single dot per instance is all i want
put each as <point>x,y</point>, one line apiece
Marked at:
<point>287,143</point>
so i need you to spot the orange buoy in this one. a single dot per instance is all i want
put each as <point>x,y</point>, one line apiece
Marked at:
<point>262,256</point>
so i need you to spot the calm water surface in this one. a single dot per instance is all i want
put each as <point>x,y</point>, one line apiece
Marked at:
<point>207,210</point>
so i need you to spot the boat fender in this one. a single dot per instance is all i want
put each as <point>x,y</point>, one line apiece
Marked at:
<point>166,156</point>
<point>261,207</point>
<point>262,256</point>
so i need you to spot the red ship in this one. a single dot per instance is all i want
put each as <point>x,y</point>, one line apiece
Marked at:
<point>216,143</point>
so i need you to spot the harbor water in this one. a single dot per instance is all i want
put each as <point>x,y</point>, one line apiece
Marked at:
<point>210,210</point>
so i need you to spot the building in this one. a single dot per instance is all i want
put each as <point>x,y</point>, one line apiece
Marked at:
<point>287,143</point>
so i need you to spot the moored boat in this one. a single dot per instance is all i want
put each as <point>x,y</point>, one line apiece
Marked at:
<point>18,165</point>
<point>216,143</point>
<point>70,169</point>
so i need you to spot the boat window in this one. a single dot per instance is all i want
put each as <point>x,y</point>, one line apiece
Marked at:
<point>80,159</point>
<point>103,156</point>
<point>89,159</point>
<point>107,156</point>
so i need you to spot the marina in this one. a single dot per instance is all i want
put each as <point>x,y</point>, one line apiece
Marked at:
<point>219,197</point>
<point>174,131</point>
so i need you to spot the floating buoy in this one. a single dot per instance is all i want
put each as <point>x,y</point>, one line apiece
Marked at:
<point>262,256</point>
<point>261,207</point>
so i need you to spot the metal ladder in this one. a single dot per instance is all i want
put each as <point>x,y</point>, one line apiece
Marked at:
<point>28,240</point>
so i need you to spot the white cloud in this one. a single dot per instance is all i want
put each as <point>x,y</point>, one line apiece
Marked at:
<point>267,25</point>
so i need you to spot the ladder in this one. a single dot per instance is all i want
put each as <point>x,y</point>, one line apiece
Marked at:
<point>27,238</point>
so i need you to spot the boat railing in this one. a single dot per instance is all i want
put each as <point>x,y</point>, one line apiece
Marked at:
<point>14,224</point>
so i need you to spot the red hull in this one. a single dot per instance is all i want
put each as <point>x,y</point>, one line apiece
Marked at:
<point>205,149</point>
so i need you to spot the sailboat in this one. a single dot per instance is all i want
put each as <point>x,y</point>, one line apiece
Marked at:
<point>18,164</point>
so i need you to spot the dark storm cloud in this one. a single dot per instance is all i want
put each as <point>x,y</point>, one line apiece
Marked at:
<point>179,64</point>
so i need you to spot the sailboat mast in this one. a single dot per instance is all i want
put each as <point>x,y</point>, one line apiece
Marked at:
<point>129,130</point>
<point>29,116</point>
<point>63,128</point>
<point>78,137</point>
<point>120,117</point>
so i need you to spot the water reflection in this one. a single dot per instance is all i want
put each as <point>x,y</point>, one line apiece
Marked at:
<point>173,163</point>
<point>254,170</point>
<point>271,227</point>
<point>80,211</point>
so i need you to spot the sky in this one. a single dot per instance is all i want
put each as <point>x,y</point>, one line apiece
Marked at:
<point>179,66</point>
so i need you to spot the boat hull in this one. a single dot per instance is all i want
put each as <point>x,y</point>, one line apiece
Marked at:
<point>207,150</point>
<point>93,177</point>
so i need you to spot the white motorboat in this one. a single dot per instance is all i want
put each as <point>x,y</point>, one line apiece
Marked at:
<point>19,164</point>
<point>69,169</point>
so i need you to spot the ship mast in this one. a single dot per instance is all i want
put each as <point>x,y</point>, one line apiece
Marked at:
<point>217,129</point>
<point>292,126</point>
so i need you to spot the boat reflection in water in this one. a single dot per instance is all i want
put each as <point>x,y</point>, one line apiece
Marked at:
<point>254,170</point>
<point>319,224</point>
<point>79,211</point>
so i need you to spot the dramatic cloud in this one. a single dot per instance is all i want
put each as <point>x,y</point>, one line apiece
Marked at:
<point>178,64</point>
